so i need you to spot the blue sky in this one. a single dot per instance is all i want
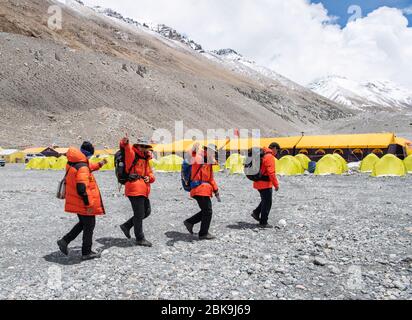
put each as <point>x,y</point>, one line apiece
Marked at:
<point>339,8</point>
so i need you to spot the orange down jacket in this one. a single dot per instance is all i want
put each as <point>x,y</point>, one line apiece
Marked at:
<point>137,188</point>
<point>202,171</point>
<point>267,169</point>
<point>82,191</point>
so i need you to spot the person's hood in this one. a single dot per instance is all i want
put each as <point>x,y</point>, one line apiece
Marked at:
<point>268,151</point>
<point>74,155</point>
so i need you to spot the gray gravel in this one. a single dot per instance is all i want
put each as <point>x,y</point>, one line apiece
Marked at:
<point>343,237</point>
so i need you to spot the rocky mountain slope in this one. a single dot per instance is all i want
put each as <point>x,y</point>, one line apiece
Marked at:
<point>101,76</point>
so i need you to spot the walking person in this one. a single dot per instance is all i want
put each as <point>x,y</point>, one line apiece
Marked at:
<point>204,187</point>
<point>266,185</point>
<point>138,186</point>
<point>82,198</point>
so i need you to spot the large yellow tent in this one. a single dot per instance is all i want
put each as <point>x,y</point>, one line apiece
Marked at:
<point>304,160</point>
<point>345,167</point>
<point>368,163</point>
<point>40,164</point>
<point>389,165</point>
<point>172,163</point>
<point>352,141</point>
<point>408,163</point>
<point>329,164</point>
<point>235,163</point>
<point>289,166</point>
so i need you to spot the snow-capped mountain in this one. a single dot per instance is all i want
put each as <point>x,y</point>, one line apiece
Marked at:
<point>381,94</point>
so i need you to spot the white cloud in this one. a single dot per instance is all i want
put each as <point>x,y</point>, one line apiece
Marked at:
<point>294,37</point>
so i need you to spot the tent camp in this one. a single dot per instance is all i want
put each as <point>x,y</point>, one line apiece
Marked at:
<point>329,164</point>
<point>408,163</point>
<point>368,163</point>
<point>172,163</point>
<point>234,164</point>
<point>304,160</point>
<point>289,166</point>
<point>389,166</point>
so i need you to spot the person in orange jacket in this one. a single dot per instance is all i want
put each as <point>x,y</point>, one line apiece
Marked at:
<point>202,161</point>
<point>137,189</point>
<point>265,187</point>
<point>82,198</point>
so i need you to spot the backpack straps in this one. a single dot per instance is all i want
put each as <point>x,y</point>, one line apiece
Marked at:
<point>77,165</point>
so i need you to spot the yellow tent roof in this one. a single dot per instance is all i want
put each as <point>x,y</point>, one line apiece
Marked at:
<point>284,142</point>
<point>378,140</point>
<point>34,150</point>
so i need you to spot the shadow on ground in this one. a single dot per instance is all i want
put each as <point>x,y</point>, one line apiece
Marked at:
<point>175,237</point>
<point>74,257</point>
<point>115,243</point>
<point>243,226</point>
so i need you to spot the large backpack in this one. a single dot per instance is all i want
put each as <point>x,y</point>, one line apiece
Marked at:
<point>186,175</point>
<point>120,166</point>
<point>253,165</point>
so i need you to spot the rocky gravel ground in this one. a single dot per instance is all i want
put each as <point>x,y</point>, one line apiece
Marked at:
<point>343,237</point>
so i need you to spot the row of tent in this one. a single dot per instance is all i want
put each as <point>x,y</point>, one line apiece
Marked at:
<point>389,165</point>
<point>53,163</point>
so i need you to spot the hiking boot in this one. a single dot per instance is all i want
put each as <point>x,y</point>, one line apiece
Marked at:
<point>63,246</point>
<point>255,216</point>
<point>189,227</point>
<point>143,243</point>
<point>265,226</point>
<point>207,237</point>
<point>92,255</point>
<point>125,231</point>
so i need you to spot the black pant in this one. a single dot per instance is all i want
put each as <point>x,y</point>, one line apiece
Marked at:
<point>204,216</point>
<point>86,224</point>
<point>263,210</point>
<point>141,210</point>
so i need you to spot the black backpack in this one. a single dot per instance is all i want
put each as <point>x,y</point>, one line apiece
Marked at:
<point>253,165</point>
<point>120,166</point>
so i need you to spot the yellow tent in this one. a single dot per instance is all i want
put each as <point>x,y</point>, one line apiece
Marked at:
<point>389,165</point>
<point>172,163</point>
<point>329,165</point>
<point>234,164</point>
<point>39,164</point>
<point>304,160</point>
<point>369,162</point>
<point>289,166</point>
<point>60,164</point>
<point>345,167</point>
<point>408,163</point>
